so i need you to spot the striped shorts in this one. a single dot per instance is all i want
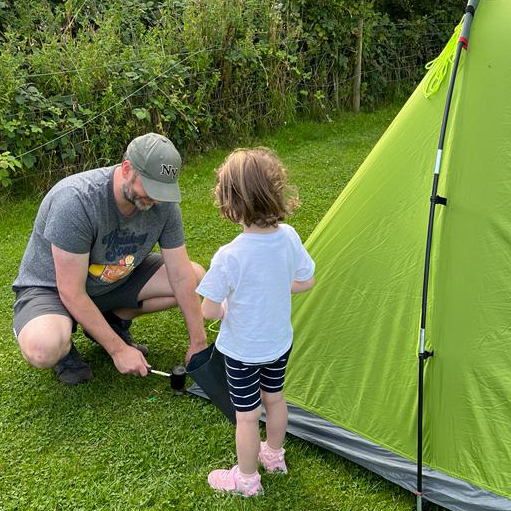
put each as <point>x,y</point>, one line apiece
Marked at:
<point>245,381</point>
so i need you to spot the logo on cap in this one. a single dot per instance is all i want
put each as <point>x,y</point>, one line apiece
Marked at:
<point>168,170</point>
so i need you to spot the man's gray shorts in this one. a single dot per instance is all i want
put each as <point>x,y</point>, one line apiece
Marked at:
<point>32,302</point>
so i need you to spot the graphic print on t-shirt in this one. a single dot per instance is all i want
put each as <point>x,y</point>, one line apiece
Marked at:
<point>121,245</point>
<point>110,273</point>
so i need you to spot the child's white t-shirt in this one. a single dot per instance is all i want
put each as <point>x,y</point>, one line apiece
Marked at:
<point>254,274</point>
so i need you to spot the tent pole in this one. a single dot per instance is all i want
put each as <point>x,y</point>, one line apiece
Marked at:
<point>434,200</point>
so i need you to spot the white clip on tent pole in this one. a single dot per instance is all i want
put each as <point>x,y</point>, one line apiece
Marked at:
<point>434,200</point>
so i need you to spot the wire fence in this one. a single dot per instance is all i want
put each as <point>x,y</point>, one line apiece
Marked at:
<point>74,102</point>
<point>315,82</point>
<point>240,104</point>
<point>432,36</point>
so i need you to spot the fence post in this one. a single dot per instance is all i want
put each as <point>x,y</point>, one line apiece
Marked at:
<point>357,78</point>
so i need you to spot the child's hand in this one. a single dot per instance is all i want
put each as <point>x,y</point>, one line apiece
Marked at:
<point>212,310</point>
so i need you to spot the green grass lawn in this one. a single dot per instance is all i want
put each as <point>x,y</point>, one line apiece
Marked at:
<point>126,443</point>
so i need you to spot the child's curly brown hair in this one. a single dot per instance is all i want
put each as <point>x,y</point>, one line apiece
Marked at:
<point>252,188</point>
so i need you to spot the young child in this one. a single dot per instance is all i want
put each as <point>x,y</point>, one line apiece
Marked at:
<point>249,287</point>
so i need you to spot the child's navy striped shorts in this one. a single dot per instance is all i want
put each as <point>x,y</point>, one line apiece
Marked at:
<point>246,380</point>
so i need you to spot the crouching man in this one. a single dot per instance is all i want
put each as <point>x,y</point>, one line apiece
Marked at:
<point>89,261</point>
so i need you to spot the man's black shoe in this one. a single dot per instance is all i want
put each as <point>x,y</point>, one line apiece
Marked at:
<point>122,328</point>
<point>71,369</point>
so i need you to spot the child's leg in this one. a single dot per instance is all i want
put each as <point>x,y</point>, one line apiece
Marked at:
<point>276,418</point>
<point>244,389</point>
<point>272,382</point>
<point>248,440</point>
<point>244,478</point>
<point>271,453</point>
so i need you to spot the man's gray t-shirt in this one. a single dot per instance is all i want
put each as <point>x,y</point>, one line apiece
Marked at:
<point>80,215</point>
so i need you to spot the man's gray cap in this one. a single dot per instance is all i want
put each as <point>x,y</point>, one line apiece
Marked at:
<point>158,162</point>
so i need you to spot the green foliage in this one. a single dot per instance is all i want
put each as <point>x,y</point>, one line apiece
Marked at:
<point>8,165</point>
<point>413,9</point>
<point>82,78</point>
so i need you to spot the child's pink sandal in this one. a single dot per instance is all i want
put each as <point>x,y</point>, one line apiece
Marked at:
<point>233,481</point>
<point>272,460</point>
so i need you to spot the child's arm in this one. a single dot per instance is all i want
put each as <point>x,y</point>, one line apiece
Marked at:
<point>212,310</point>
<point>299,286</point>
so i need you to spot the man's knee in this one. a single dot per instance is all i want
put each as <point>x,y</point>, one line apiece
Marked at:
<point>37,354</point>
<point>199,271</point>
<point>43,342</point>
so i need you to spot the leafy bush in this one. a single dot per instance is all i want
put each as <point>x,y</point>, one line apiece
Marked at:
<point>81,79</point>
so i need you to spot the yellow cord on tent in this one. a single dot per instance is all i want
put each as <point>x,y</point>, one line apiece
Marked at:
<point>438,67</point>
<point>211,325</point>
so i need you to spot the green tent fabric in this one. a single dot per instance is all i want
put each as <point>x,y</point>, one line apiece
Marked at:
<point>354,361</point>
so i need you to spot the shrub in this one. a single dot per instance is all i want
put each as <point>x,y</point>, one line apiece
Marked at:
<point>81,79</point>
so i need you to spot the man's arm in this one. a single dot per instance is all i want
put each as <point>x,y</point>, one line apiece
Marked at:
<point>71,275</point>
<point>184,282</point>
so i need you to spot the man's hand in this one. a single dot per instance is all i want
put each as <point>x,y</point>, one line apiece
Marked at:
<point>194,348</point>
<point>130,360</point>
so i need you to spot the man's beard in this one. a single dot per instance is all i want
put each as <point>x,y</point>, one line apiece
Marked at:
<point>140,203</point>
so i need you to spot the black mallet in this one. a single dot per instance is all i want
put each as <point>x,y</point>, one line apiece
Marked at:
<point>177,377</point>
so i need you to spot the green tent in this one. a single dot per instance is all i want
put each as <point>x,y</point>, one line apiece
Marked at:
<point>352,378</point>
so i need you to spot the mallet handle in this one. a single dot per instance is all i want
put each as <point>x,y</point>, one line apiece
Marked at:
<point>161,373</point>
